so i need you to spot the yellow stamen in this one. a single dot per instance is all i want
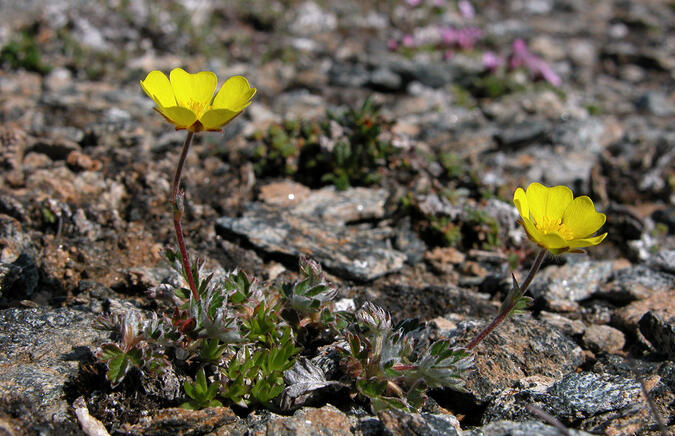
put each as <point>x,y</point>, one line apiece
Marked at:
<point>195,106</point>
<point>548,225</point>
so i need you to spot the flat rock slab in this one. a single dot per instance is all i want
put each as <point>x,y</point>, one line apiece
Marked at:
<point>562,287</point>
<point>598,403</point>
<point>39,352</point>
<point>326,204</point>
<point>527,428</point>
<point>517,349</point>
<point>357,252</point>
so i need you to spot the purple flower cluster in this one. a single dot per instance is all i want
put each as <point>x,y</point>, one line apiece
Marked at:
<point>464,39</point>
<point>522,57</point>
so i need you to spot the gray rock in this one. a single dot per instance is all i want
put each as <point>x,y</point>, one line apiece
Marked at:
<point>588,394</point>
<point>656,103</point>
<point>663,260</point>
<point>327,420</point>
<point>19,273</point>
<point>311,19</point>
<point>399,423</point>
<point>523,133</point>
<point>576,397</point>
<point>340,207</point>
<point>636,283</point>
<point>356,252</point>
<point>603,338</point>
<point>180,421</point>
<point>526,428</point>
<point>518,348</point>
<point>571,327</point>
<point>386,80</point>
<point>571,168</point>
<point>660,304</point>
<point>660,332</point>
<point>410,244</point>
<point>11,206</point>
<point>39,353</point>
<point>562,287</point>
<point>580,135</point>
<point>348,75</point>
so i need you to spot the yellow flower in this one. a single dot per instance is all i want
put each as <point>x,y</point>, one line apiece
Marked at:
<point>187,101</point>
<point>556,221</point>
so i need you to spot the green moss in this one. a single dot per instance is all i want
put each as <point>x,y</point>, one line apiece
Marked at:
<point>344,149</point>
<point>24,53</point>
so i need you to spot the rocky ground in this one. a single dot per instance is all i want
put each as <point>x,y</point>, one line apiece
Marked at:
<point>425,229</point>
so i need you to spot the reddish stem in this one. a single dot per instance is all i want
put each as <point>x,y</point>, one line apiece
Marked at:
<point>501,316</point>
<point>176,201</point>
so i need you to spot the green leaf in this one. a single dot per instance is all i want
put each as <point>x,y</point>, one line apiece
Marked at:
<point>109,351</point>
<point>189,390</point>
<point>189,405</point>
<point>182,293</point>
<point>136,357</point>
<point>117,368</point>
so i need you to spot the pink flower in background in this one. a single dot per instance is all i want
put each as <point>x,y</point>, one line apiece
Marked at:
<point>466,9</point>
<point>392,44</point>
<point>521,56</point>
<point>467,37</point>
<point>413,3</point>
<point>408,41</point>
<point>492,61</point>
<point>448,35</point>
<point>464,39</point>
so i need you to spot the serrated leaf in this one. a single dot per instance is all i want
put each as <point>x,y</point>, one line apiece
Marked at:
<point>521,305</point>
<point>316,290</point>
<point>117,368</point>
<point>135,357</point>
<point>109,351</point>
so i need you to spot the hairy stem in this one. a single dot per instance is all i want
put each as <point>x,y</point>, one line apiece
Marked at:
<point>176,201</point>
<point>501,316</point>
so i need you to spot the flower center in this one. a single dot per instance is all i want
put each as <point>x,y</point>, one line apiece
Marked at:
<point>548,225</point>
<point>195,106</point>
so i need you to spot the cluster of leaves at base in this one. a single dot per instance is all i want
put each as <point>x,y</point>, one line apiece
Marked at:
<point>381,359</point>
<point>24,52</point>
<point>241,335</point>
<point>470,228</point>
<point>351,148</point>
<point>239,342</point>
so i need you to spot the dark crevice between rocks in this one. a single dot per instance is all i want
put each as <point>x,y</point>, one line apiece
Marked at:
<point>460,404</point>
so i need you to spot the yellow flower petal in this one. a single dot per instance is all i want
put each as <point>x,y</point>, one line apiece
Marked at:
<point>193,91</point>
<point>587,242</point>
<point>548,203</point>
<point>520,200</point>
<point>553,241</point>
<point>581,218</point>
<point>532,231</point>
<point>158,88</point>
<point>235,94</point>
<point>215,119</point>
<point>181,117</point>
